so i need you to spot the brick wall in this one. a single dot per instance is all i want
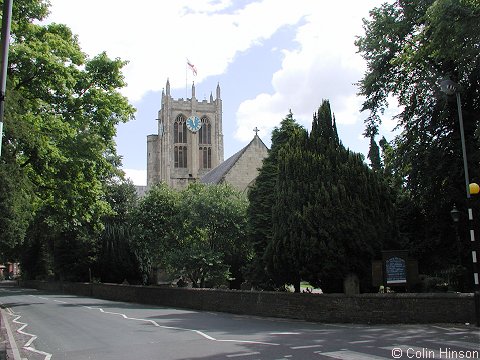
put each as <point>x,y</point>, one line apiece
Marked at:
<point>328,308</point>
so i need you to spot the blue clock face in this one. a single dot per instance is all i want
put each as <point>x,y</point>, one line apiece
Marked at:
<point>193,123</point>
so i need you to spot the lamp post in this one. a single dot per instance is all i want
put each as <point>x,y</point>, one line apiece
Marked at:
<point>449,87</point>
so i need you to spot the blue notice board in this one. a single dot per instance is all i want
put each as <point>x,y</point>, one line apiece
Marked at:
<point>396,270</point>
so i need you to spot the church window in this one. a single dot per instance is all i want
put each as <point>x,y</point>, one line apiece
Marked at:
<point>180,130</point>
<point>205,160</point>
<point>180,156</point>
<point>180,137</point>
<point>205,132</point>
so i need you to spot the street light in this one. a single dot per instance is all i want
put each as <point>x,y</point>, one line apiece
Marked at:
<point>449,87</point>
<point>455,214</point>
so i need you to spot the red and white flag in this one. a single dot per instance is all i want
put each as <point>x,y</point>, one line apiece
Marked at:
<point>192,67</point>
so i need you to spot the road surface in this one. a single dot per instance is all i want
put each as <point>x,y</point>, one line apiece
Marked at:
<point>58,326</point>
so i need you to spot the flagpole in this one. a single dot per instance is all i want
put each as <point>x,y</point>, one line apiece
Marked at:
<point>186,80</point>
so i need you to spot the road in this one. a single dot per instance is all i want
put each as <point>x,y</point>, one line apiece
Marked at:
<point>53,326</point>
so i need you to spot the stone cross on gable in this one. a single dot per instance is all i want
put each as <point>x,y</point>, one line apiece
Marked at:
<point>256,130</point>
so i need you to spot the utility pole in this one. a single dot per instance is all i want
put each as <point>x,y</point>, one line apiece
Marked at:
<point>451,88</point>
<point>6,21</point>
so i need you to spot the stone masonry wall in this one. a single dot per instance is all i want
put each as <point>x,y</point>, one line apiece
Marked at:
<point>328,308</point>
<point>246,168</point>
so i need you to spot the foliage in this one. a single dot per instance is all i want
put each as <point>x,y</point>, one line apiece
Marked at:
<point>410,46</point>
<point>154,228</point>
<point>332,214</point>
<point>60,117</point>
<point>15,211</point>
<point>215,216</point>
<point>116,261</point>
<point>196,261</point>
<point>197,233</point>
<point>261,199</point>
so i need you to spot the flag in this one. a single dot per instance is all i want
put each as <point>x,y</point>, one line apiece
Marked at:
<point>192,67</point>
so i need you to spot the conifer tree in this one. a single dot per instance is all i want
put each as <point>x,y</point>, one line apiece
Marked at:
<point>374,155</point>
<point>331,213</point>
<point>261,199</point>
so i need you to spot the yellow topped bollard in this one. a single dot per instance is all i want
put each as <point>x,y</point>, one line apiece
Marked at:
<point>474,188</point>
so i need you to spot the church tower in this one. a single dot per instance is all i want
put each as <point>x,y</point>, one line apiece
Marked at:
<point>189,142</point>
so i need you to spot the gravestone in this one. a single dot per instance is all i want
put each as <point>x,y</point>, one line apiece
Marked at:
<point>351,285</point>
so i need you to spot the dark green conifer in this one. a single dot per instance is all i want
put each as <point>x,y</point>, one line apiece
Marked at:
<point>331,213</point>
<point>261,199</point>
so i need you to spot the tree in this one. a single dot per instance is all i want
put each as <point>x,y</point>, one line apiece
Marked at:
<point>197,233</point>
<point>214,229</point>
<point>332,214</point>
<point>116,261</point>
<point>61,112</point>
<point>155,227</point>
<point>196,261</point>
<point>410,46</point>
<point>374,155</point>
<point>261,199</point>
<point>15,209</point>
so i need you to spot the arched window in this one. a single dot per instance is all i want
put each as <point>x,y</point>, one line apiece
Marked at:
<point>180,156</point>
<point>180,130</point>
<point>180,138</point>
<point>205,157</point>
<point>205,138</point>
<point>205,132</point>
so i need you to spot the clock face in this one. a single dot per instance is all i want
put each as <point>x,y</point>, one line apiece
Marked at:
<point>193,123</point>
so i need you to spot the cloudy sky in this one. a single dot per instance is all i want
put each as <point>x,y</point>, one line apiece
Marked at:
<point>268,56</point>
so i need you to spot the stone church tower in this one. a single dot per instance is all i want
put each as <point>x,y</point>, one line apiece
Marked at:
<point>189,142</point>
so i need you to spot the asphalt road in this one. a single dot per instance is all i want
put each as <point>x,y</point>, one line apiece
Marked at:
<point>51,326</point>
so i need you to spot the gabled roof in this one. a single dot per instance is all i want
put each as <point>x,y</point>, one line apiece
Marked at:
<point>216,175</point>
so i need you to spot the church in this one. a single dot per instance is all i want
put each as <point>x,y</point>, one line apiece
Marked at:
<point>189,146</point>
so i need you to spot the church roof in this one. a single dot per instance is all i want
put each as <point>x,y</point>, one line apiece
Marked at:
<point>216,175</point>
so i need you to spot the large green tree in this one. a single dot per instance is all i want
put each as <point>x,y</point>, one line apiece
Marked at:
<point>332,214</point>
<point>62,109</point>
<point>116,261</point>
<point>261,199</point>
<point>155,227</point>
<point>410,47</point>
<point>214,226</point>
<point>197,233</point>
<point>15,209</point>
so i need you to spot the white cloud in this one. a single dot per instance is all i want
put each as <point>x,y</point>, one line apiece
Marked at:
<point>325,65</point>
<point>158,36</point>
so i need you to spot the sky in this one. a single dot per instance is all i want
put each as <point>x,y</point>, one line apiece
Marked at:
<point>268,56</point>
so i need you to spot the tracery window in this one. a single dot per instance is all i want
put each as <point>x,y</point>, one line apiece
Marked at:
<point>205,157</point>
<point>180,130</point>
<point>205,132</point>
<point>180,138</point>
<point>205,138</point>
<point>180,156</point>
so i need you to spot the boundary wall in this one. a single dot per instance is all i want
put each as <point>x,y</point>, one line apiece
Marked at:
<point>408,308</point>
